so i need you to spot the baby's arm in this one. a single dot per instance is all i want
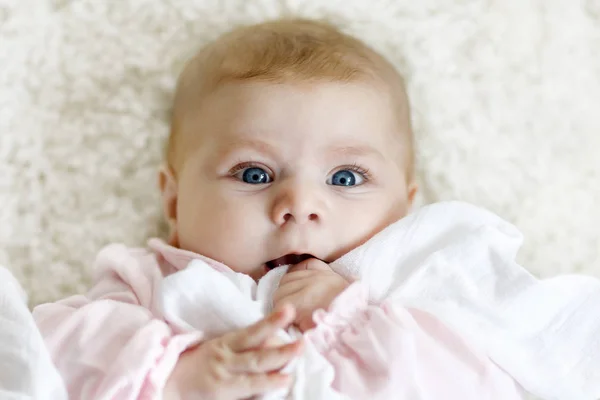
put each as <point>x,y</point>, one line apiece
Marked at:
<point>384,351</point>
<point>110,343</point>
<point>381,350</point>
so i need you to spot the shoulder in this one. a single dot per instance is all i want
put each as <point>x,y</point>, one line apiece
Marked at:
<point>139,268</point>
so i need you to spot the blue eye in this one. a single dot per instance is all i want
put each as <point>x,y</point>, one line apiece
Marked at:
<point>346,178</point>
<point>255,176</point>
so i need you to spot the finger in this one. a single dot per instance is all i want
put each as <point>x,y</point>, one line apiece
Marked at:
<point>273,341</point>
<point>253,336</point>
<point>289,289</point>
<point>248,385</point>
<point>303,274</point>
<point>265,359</point>
<point>312,264</point>
<point>305,324</point>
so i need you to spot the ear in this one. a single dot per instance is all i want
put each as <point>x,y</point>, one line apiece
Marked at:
<point>168,189</point>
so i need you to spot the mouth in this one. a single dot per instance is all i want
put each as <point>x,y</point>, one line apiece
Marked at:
<point>288,259</point>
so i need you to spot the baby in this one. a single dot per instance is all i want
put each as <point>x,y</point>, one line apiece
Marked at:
<point>291,144</point>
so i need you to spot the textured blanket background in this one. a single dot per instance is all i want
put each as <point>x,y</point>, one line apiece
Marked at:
<point>506,99</point>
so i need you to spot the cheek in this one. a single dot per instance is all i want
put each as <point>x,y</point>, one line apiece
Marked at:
<point>398,210</point>
<point>212,223</point>
<point>368,219</point>
<point>211,214</point>
<point>394,210</point>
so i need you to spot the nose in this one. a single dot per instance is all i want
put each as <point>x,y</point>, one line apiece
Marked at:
<point>297,203</point>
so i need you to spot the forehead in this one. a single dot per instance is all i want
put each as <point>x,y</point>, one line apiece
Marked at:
<point>321,114</point>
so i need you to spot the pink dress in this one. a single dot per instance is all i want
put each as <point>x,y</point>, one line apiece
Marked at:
<point>113,342</point>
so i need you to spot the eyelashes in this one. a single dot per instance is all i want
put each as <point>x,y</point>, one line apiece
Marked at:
<point>239,171</point>
<point>244,165</point>
<point>365,172</point>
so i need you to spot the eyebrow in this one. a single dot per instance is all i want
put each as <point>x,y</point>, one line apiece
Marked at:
<point>254,144</point>
<point>356,151</point>
<point>360,150</point>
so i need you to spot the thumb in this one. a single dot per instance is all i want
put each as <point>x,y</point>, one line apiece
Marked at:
<point>312,264</point>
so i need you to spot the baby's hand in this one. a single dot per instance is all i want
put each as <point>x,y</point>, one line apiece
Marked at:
<point>309,286</point>
<point>237,365</point>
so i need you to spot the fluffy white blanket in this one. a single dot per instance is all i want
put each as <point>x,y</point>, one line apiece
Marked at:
<point>505,97</point>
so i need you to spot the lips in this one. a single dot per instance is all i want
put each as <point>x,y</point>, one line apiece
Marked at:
<point>288,259</point>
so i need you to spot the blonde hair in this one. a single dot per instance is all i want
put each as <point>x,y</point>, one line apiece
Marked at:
<point>280,51</point>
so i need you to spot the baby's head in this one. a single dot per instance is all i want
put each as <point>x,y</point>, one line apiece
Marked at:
<point>288,137</point>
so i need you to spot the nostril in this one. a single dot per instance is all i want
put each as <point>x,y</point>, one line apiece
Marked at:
<point>287,217</point>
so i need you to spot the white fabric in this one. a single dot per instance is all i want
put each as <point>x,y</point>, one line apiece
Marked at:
<point>26,370</point>
<point>455,261</point>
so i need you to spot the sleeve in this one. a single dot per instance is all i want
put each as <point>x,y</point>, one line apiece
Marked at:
<point>109,344</point>
<point>383,351</point>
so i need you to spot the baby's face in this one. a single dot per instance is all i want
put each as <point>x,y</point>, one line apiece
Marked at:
<point>273,170</point>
